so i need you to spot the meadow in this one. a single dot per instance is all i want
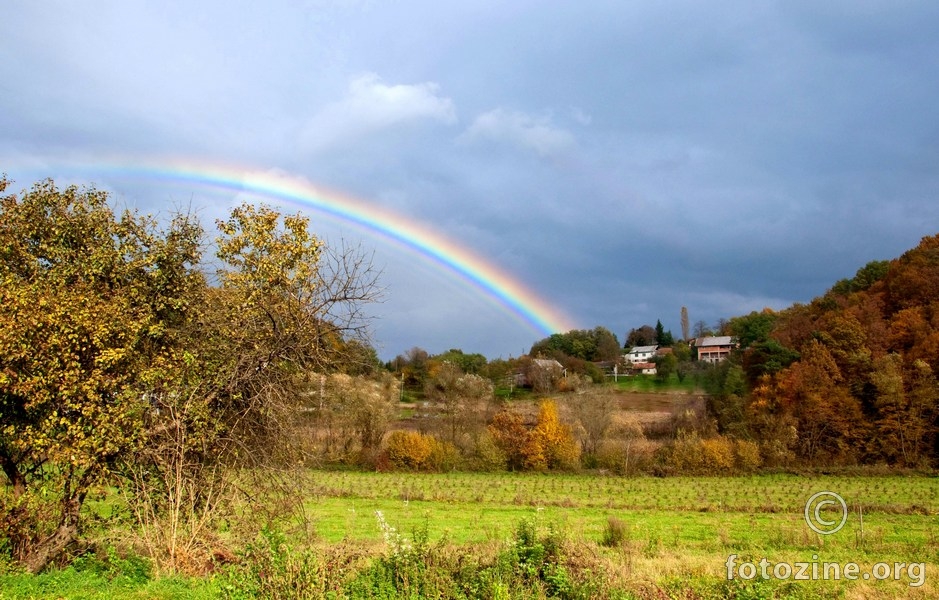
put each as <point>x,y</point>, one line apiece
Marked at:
<point>642,537</point>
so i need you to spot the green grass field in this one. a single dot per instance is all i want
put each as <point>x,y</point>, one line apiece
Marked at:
<point>650,384</point>
<point>678,532</point>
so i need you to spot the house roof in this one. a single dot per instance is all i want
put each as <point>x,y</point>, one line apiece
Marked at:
<point>548,363</point>
<point>721,340</point>
<point>641,349</point>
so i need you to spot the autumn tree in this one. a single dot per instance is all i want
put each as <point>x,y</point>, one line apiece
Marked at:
<point>643,336</point>
<point>508,432</point>
<point>287,305</point>
<point>906,408</point>
<point>830,419</point>
<point>89,306</point>
<point>551,443</point>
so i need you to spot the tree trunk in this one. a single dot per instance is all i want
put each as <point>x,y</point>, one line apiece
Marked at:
<point>48,549</point>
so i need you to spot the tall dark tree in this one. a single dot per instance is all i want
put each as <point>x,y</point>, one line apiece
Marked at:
<point>662,337</point>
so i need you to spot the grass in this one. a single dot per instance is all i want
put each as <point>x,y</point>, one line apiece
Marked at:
<point>651,384</point>
<point>673,534</point>
<point>677,529</point>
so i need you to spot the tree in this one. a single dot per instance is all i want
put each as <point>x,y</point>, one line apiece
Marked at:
<point>508,432</point>
<point>550,445</point>
<point>906,407</point>
<point>701,329</point>
<point>830,418</point>
<point>462,398</point>
<point>595,344</point>
<point>472,364</point>
<point>412,365</point>
<point>753,328</point>
<point>593,413</point>
<point>288,306</point>
<point>685,329</point>
<point>644,336</point>
<point>88,307</point>
<point>662,337</point>
<point>665,366</point>
<point>865,277</point>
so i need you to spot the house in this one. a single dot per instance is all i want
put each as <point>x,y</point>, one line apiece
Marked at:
<point>714,349</point>
<point>645,368</point>
<point>640,354</point>
<point>542,372</point>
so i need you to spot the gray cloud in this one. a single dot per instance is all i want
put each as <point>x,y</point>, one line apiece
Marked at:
<point>620,159</point>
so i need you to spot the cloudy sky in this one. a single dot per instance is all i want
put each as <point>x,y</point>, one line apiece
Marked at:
<point>619,159</point>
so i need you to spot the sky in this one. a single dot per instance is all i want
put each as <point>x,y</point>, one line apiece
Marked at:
<point>614,161</point>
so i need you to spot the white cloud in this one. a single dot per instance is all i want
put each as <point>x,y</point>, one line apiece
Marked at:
<point>519,129</point>
<point>370,105</point>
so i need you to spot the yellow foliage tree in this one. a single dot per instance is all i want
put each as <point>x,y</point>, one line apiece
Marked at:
<point>88,302</point>
<point>551,444</point>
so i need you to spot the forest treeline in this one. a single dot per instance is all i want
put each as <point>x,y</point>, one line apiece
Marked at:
<point>848,378</point>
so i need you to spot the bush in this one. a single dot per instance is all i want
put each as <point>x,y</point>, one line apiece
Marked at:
<point>747,455</point>
<point>408,450</point>
<point>683,456</point>
<point>717,455</point>
<point>615,534</point>
<point>487,455</point>
<point>271,569</point>
<point>626,457</point>
<point>444,456</point>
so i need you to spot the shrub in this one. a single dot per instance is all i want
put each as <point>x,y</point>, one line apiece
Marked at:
<point>615,534</point>
<point>683,456</point>
<point>717,455</point>
<point>271,569</point>
<point>487,456</point>
<point>626,457</point>
<point>444,456</point>
<point>408,450</point>
<point>747,455</point>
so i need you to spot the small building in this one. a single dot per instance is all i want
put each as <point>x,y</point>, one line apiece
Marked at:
<point>640,354</point>
<point>540,372</point>
<point>644,368</point>
<point>714,349</point>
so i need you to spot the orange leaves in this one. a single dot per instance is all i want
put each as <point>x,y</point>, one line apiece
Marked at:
<point>549,444</point>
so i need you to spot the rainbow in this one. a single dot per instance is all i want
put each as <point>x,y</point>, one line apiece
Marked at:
<point>494,283</point>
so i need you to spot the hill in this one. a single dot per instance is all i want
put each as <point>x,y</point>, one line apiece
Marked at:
<point>848,378</point>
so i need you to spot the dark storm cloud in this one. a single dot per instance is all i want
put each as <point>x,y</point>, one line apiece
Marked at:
<point>622,159</point>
